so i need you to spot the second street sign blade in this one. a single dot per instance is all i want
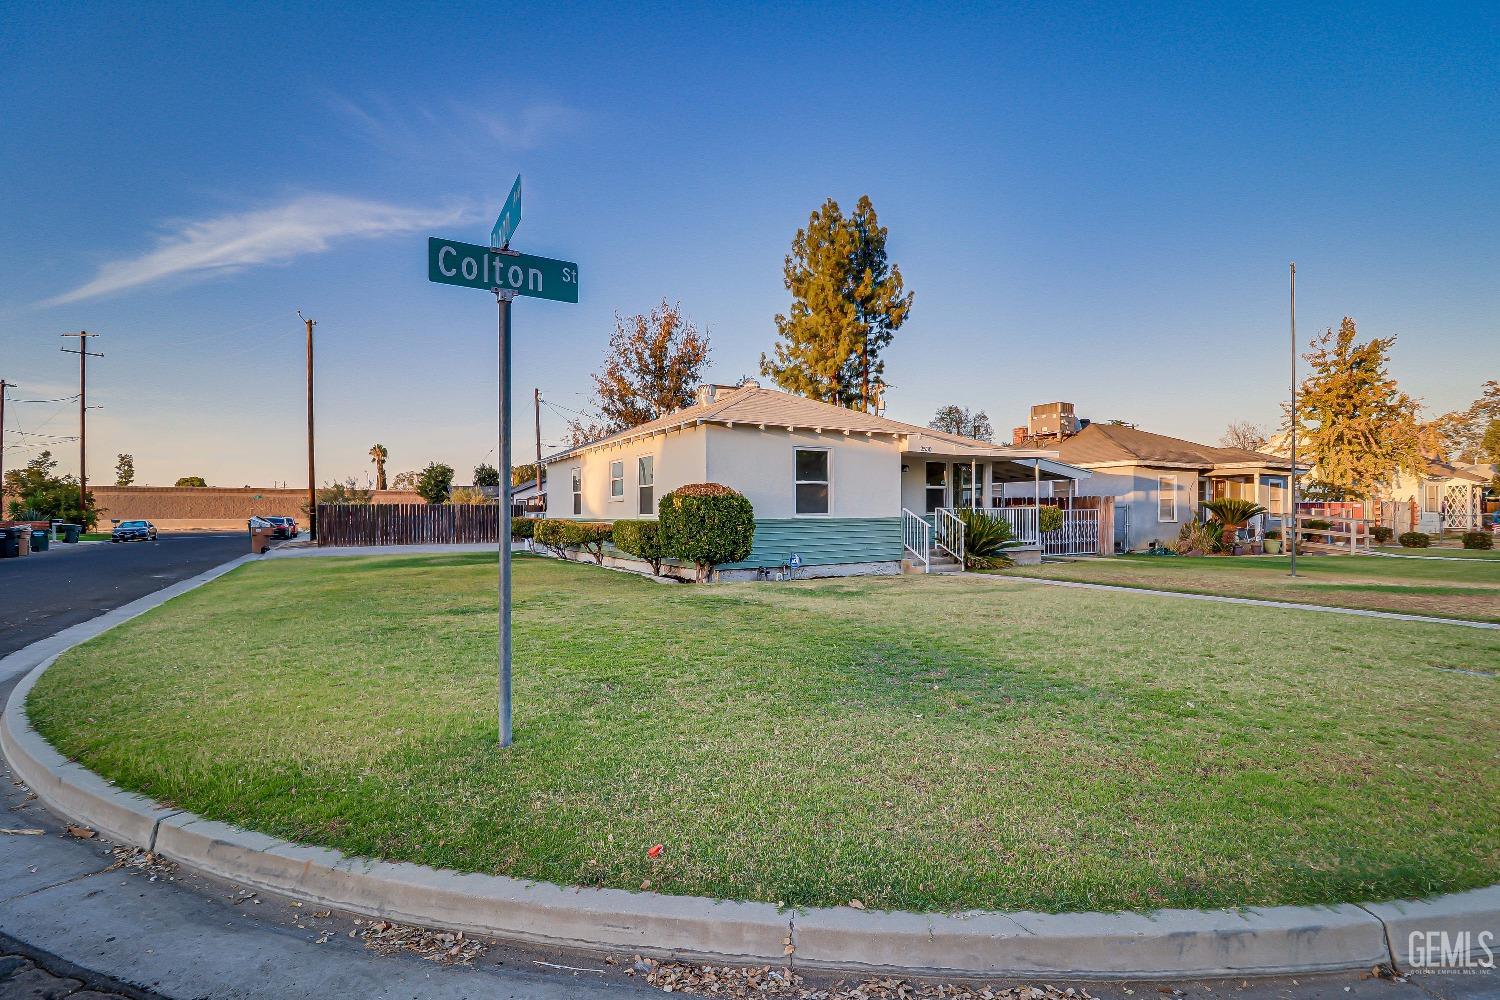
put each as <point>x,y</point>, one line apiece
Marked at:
<point>453,263</point>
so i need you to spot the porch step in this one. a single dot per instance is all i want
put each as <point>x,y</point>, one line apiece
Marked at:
<point>943,564</point>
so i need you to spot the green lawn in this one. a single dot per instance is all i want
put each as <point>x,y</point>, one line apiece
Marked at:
<point>1437,587</point>
<point>928,743</point>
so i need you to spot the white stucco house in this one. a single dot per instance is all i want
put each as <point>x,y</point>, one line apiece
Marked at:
<point>844,492</point>
<point>1443,497</point>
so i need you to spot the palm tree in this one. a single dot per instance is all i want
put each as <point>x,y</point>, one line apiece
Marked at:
<point>985,539</point>
<point>1233,513</point>
<point>378,455</point>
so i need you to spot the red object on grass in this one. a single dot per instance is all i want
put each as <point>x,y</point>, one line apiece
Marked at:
<point>655,851</point>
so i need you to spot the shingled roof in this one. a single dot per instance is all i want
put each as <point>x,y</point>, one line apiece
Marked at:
<point>751,404</point>
<point>1099,444</point>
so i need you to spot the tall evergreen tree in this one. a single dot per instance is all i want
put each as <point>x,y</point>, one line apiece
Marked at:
<point>125,470</point>
<point>1354,423</point>
<point>848,301</point>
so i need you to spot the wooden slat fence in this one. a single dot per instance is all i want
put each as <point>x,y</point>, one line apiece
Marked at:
<point>408,524</point>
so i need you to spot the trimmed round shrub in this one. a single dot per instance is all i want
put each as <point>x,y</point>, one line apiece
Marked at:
<point>1049,519</point>
<point>707,524</point>
<point>640,538</point>
<point>548,533</point>
<point>588,536</point>
<point>523,527</point>
<point>1414,540</point>
<point>1478,540</point>
<point>1381,534</point>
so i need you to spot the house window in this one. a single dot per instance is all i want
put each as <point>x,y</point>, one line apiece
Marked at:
<point>812,480</point>
<point>937,485</point>
<point>1166,498</point>
<point>645,480</point>
<point>617,480</point>
<point>1431,502</point>
<point>577,491</point>
<point>967,496</point>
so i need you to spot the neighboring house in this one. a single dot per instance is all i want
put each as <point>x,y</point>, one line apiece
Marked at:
<point>1159,482</point>
<point>1443,498</point>
<point>838,488</point>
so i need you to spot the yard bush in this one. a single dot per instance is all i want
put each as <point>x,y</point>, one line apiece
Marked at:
<point>707,524</point>
<point>1381,534</point>
<point>1198,538</point>
<point>587,536</point>
<point>1049,519</point>
<point>523,527</point>
<point>642,539</point>
<point>986,539</point>
<point>548,533</point>
<point>1478,540</point>
<point>1414,540</point>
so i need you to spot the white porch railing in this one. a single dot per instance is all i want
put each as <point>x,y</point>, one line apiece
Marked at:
<point>948,533</point>
<point>916,536</point>
<point>1079,535</point>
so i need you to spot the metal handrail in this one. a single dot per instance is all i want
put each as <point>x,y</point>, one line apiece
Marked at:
<point>948,532</point>
<point>916,536</point>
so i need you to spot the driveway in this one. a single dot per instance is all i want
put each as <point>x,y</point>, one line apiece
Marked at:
<point>45,592</point>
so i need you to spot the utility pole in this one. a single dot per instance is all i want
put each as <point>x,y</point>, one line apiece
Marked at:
<point>312,482</point>
<point>3,386</point>
<point>536,407</point>
<point>1293,476</point>
<point>83,409</point>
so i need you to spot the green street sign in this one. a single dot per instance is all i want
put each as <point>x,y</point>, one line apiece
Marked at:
<point>453,263</point>
<point>509,218</point>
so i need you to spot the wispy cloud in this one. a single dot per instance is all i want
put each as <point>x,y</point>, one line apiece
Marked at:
<point>416,130</point>
<point>273,235</point>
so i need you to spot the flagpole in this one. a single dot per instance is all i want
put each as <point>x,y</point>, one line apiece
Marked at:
<point>1293,477</point>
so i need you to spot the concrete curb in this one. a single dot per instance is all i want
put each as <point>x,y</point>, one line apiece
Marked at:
<point>1161,944</point>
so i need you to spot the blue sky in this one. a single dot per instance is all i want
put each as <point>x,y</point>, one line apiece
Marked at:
<point>1095,205</point>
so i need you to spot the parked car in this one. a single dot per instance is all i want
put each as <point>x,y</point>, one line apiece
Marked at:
<point>130,531</point>
<point>285,527</point>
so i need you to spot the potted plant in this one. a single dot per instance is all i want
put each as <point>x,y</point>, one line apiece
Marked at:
<point>1273,542</point>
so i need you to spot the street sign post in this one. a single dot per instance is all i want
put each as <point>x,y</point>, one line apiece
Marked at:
<point>453,263</point>
<point>509,218</point>
<point>507,274</point>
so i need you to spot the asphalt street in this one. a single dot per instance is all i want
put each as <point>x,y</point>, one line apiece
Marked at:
<point>45,592</point>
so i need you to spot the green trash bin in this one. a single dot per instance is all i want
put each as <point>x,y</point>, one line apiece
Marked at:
<point>39,540</point>
<point>10,543</point>
<point>70,532</point>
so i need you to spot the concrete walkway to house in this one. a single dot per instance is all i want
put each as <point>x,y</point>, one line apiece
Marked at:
<point>1251,601</point>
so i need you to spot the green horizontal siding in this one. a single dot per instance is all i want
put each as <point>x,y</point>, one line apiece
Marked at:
<point>823,541</point>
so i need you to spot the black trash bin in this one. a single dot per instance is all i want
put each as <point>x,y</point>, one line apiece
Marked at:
<point>70,532</point>
<point>10,543</point>
<point>39,540</point>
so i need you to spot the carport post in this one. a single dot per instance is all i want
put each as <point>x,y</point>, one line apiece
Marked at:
<point>503,299</point>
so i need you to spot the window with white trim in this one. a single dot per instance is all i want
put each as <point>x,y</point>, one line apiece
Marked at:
<point>577,491</point>
<point>645,482</point>
<point>617,480</point>
<point>937,485</point>
<point>811,480</point>
<point>1166,498</point>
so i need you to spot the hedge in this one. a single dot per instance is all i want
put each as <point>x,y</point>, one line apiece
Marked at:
<point>589,536</point>
<point>642,539</point>
<point>1414,540</point>
<point>1478,540</point>
<point>1049,519</point>
<point>1381,533</point>
<point>522,527</point>
<point>707,524</point>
